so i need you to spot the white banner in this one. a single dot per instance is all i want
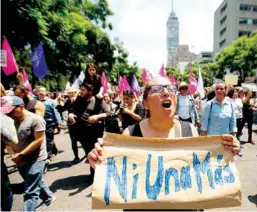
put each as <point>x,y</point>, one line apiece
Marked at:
<point>3,61</point>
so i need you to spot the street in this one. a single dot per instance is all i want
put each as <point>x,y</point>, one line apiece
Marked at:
<point>69,183</point>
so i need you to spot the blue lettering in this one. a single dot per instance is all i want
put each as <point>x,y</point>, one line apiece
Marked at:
<point>218,172</point>
<point>135,180</point>
<point>185,178</point>
<point>230,178</point>
<point>203,167</point>
<point>171,172</point>
<point>120,183</point>
<point>153,191</point>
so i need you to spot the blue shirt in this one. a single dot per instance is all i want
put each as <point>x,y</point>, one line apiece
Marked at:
<point>51,113</point>
<point>219,119</point>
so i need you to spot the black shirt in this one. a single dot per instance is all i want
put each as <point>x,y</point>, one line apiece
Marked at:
<point>127,120</point>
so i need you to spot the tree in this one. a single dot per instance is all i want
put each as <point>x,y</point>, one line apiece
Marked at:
<point>72,32</point>
<point>240,56</point>
<point>207,71</point>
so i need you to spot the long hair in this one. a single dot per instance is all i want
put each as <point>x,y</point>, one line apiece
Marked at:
<point>87,78</point>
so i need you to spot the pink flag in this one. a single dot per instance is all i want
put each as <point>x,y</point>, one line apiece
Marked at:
<point>104,82</point>
<point>126,84</point>
<point>121,87</point>
<point>173,79</point>
<point>163,71</point>
<point>193,83</point>
<point>12,66</point>
<point>26,80</point>
<point>145,77</point>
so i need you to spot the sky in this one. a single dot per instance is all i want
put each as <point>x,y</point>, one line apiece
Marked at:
<point>141,26</point>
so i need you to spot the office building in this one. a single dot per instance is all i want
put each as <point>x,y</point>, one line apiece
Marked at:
<point>204,57</point>
<point>233,19</point>
<point>182,57</point>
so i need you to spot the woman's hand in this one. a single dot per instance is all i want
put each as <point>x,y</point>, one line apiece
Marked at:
<point>71,118</point>
<point>96,154</point>
<point>230,142</point>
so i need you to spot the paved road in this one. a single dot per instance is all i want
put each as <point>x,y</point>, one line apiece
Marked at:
<point>74,194</point>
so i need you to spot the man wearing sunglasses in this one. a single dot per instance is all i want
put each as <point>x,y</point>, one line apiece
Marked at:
<point>186,109</point>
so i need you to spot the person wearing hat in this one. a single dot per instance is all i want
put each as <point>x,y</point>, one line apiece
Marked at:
<point>186,109</point>
<point>8,138</point>
<point>69,106</point>
<point>30,152</point>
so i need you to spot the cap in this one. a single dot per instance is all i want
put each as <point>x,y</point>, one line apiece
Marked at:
<point>8,103</point>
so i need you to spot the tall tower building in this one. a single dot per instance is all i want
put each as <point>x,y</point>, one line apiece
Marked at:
<point>172,35</point>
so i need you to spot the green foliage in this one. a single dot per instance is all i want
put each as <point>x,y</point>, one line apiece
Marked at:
<point>240,56</point>
<point>72,32</point>
<point>207,71</point>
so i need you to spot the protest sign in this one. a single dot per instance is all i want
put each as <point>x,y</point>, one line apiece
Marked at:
<point>3,57</point>
<point>231,79</point>
<point>148,173</point>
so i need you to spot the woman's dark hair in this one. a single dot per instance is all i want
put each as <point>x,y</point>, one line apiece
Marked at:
<point>146,91</point>
<point>96,77</point>
<point>231,92</point>
<point>210,95</point>
<point>129,93</point>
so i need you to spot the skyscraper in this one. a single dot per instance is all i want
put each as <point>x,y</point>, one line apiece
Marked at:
<point>172,35</point>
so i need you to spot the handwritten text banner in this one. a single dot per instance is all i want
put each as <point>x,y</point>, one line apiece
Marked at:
<point>146,173</point>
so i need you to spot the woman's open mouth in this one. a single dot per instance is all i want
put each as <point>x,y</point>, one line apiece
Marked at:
<point>167,104</point>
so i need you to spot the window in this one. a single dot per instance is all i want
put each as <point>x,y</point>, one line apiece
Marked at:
<point>245,7</point>
<point>242,33</point>
<point>255,22</point>
<point>223,20</point>
<point>223,8</point>
<point>222,42</point>
<point>223,31</point>
<point>254,8</point>
<point>242,20</point>
<point>207,55</point>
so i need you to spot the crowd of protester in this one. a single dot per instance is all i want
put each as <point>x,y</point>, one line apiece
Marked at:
<point>162,110</point>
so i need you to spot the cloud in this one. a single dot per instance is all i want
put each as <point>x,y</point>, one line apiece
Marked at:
<point>148,22</point>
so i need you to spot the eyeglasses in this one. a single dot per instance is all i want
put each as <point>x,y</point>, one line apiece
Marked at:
<point>160,88</point>
<point>183,88</point>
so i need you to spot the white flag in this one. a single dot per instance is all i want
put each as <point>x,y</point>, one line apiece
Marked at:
<point>78,81</point>
<point>200,87</point>
<point>67,87</point>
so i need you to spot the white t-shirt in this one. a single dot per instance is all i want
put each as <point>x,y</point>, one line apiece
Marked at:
<point>183,107</point>
<point>238,105</point>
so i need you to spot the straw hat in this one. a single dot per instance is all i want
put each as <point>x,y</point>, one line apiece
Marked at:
<point>182,84</point>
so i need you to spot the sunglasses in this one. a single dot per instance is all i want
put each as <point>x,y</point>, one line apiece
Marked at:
<point>160,88</point>
<point>183,88</point>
